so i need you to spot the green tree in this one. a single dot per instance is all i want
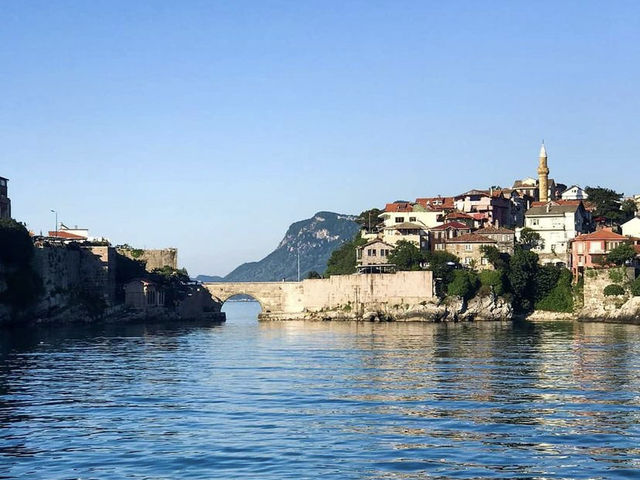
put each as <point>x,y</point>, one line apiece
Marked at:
<point>313,275</point>
<point>16,247</point>
<point>523,268</point>
<point>370,219</point>
<point>343,260</point>
<point>546,280</point>
<point>609,204</point>
<point>442,264</point>
<point>494,280</point>
<point>621,254</point>
<point>530,239</point>
<point>464,284</point>
<point>499,260</point>
<point>635,287</point>
<point>23,285</point>
<point>406,256</point>
<point>560,297</point>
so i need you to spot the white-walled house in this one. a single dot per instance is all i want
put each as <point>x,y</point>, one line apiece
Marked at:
<point>632,228</point>
<point>557,223</point>
<point>574,193</point>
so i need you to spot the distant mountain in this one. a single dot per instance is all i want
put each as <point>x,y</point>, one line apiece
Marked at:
<point>315,238</point>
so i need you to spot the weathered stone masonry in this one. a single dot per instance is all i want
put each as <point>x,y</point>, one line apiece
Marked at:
<point>353,292</point>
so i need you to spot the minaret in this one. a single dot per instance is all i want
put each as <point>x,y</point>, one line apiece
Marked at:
<point>543,176</point>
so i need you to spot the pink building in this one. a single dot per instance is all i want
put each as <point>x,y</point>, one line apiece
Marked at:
<point>589,250</point>
<point>490,207</point>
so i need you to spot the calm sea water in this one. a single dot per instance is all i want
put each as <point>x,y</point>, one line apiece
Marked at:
<point>320,400</point>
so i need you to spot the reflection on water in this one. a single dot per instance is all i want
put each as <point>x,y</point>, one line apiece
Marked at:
<point>303,400</point>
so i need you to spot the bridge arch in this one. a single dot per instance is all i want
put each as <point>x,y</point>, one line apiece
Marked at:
<point>273,297</point>
<point>231,298</point>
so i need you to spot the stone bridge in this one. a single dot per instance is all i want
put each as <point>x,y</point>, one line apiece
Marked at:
<point>274,297</point>
<point>339,292</point>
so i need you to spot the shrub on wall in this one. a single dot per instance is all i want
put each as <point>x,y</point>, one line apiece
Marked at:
<point>613,289</point>
<point>635,287</point>
<point>560,298</point>
<point>617,275</point>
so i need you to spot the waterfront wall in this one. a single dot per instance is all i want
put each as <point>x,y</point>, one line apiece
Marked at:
<point>66,271</point>
<point>367,291</point>
<point>348,293</point>
<point>614,308</point>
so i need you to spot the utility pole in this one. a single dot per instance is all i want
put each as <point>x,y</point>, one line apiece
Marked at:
<point>298,263</point>
<point>56,229</point>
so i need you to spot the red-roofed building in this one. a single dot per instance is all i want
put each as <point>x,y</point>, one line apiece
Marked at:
<point>590,249</point>
<point>437,203</point>
<point>493,207</point>
<point>438,236</point>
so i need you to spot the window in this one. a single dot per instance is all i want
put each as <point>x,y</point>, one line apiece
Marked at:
<point>399,219</point>
<point>535,222</point>
<point>369,252</point>
<point>382,252</point>
<point>373,252</point>
<point>412,219</point>
<point>439,246</point>
<point>484,261</point>
<point>468,247</point>
<point>467,260</point>
<point>3,183</point>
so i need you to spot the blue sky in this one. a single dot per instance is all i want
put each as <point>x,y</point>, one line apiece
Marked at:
<point>211,126</point>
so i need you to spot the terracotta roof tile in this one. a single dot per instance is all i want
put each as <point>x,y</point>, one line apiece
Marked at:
<point>454,225</point>
<point>471,238</point>
<point>494,230</point>
<point>600,235</point>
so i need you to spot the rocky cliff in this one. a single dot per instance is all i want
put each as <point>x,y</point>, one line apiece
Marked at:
<point>314,239</point>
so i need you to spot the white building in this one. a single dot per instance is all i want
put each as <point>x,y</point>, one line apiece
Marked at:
<point>632,228</point>
<point>574,193</point>
<point>557,223</point>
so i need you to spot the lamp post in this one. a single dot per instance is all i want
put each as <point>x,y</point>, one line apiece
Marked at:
<point>56,229</point>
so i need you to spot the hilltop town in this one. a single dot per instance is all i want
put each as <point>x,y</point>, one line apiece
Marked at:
<point>528,247</point>
<point>569,229</point>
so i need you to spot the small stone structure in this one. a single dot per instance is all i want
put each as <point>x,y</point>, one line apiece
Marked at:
<point>158,258</point>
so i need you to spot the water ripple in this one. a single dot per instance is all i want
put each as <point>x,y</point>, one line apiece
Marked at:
<point>304,400</point>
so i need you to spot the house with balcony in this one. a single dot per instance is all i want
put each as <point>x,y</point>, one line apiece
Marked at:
<point>373,257</point>
<point>468,248</point>
<point>557,222</point>
<point>408,212</point>
<point>5,202</point>
<point>591,249</point>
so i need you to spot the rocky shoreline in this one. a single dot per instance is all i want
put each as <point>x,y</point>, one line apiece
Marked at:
<point>477,309</point>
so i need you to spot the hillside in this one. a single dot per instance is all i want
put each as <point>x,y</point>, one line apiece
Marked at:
<point>315,238</point>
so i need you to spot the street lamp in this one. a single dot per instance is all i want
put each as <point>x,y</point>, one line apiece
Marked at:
<point>56,229</point>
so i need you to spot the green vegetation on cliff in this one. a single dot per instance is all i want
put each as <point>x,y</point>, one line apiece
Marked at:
<point>20,286</point>
<point>343,260</point>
